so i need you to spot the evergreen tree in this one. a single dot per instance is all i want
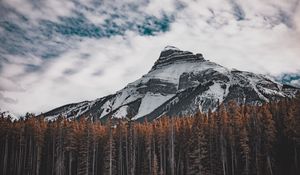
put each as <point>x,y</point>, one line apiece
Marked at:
<point>198,154</point>
<point>268,133</point>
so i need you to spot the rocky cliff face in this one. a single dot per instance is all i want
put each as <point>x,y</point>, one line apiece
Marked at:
<point>179,83</point>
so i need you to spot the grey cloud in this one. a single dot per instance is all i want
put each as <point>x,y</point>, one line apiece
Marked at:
<point>286,15</point>
<point>238,11</point>
<point>7,84</point>
<point>98,73</point>
<point>285,18</point>
<point>85,55</point>
<point>32,68</point>
<point>70,72</point>
<point>7,99</point>
<point>62,80</point>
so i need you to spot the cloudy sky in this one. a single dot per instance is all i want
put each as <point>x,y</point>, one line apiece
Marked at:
<point>54,52</point>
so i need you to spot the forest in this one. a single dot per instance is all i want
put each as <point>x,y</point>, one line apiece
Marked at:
<point>232,140</point>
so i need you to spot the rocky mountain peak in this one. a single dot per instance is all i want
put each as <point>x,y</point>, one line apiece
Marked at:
<point>179,83</point>
<point>171,54</point>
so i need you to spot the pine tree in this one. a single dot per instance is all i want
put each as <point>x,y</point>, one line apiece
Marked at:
<point>148,160</point>
<point>110,152</point>
<point>40,129</point>
<point>292,128</point>
<point>60,146</point>
<point>198,155</point>
<point>154,168</point>
<point>269,134</point>
<point>172,146</point>
<point>244,142</point>
<point>223,141</point>
<point>233,132</point>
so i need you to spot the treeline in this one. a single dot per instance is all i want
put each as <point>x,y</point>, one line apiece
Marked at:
<point>233,140</point>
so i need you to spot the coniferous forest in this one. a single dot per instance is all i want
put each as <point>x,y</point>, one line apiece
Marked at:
<point>233,140</point>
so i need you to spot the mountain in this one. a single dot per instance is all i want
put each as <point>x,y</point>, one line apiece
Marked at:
<point>7,114</point>
<point>179,83</point>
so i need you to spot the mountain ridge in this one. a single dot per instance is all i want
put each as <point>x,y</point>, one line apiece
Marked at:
<point>179,83</point>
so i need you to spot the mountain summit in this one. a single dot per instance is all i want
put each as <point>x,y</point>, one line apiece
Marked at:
<point>171,55</point>
<point>179,83</point>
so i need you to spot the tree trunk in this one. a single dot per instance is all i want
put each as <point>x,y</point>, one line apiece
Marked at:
<point>161,160</point>
<point>87,152</point>
<point>110,150</point>
<point>232,160</point>
<point>38,160</point>
<point>5,155</point>
<point>178,163</point>
<point>172,159</point>
<point>256,160</point>
<point>296,158</point>
<point>94,157</point>
<point>70,162</point>
<point>120,163</point>
<point>269,164</point>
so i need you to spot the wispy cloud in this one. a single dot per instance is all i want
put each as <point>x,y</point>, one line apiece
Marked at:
<point>57,52</point>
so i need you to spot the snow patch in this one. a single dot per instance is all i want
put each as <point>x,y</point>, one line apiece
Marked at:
<point>121,112</point>
<point>150,102</point>
<point>215,91</point>
<point>170,48</point>
<point>51,118</point>
<point>7,114</point>
<point>172,73</point>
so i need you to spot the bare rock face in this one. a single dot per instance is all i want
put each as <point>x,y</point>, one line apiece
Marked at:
<point>179,83</point>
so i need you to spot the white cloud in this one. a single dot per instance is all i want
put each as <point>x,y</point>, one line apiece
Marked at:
<point>155,7</point>
<point>45,9</point>
<point>9,85</point>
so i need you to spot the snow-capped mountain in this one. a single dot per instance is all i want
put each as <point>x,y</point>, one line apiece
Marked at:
<point>179,83</point>
<point>7,114</point>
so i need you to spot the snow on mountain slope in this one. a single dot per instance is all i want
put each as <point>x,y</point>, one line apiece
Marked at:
<point>179,83</point>
<point>150,102</point>
<point>7,114</point>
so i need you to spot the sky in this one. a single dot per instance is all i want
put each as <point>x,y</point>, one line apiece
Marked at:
<point>55,52</point>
